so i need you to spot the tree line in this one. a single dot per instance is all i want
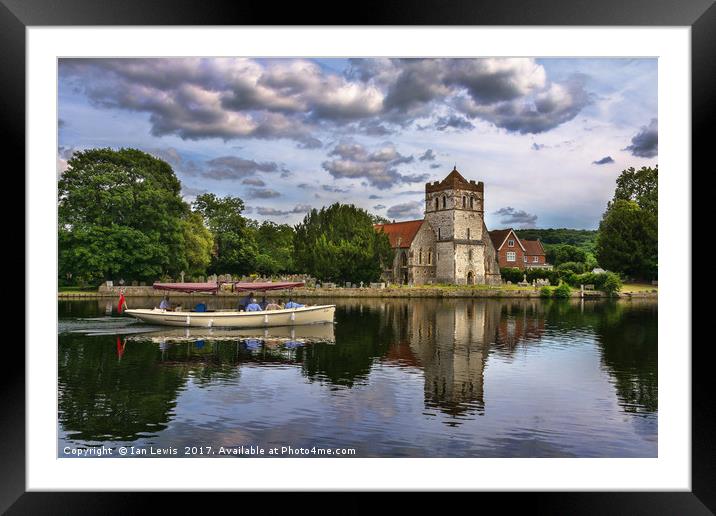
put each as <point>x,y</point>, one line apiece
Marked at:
<point>121,216</point>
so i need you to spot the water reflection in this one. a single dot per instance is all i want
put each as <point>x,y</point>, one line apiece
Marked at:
<point>120,382</point>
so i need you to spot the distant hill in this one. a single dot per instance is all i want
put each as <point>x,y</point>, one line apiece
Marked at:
<point>582,238</point>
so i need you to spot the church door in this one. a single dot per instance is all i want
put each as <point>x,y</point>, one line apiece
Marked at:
<point>470,278</point>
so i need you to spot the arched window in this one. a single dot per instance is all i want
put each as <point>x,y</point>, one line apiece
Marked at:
<point>444,202</point>
<point>472,202</point>
<point>420,256</point>
<point>436,204</point>
<point>430,257</point>
<point>469,255</point>
<point>439,233</point>
<point>464,201</point>
<point>468,235</point>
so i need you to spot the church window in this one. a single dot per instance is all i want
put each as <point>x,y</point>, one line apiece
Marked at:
<point>464,201</point>
<point>420,257</point>
<point>439,233</point>
<point>436,204</point>
<point>472,202</point>
<point>469,255</point>
<point>468,233</point>
<point>430,257</point>
<point>444,202</point>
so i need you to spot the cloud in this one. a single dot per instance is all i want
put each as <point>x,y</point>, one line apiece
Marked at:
<point>645,144</point>
<point>353,160</point>
<point>253,181</point>
<point>510,216</point>
<point>435,165</point>
<point>538,146</point>
<point>297,99</point>
<point>603,161</point>
<point>379,207</point>
<point>428,155</point>
<point>262,193</point>
<point>299,208</point>
<point>232,167</point>
<point>536,113</point>
<point>190,193</point>
<point>373,196</point>
<point>453,122</point>
<point>335,189</point>
<point>413,209</point>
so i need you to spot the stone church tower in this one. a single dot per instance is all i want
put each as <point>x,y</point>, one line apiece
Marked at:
<point>454,209</point>
<point>450,244</point>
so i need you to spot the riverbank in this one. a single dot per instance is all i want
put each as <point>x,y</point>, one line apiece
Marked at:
<point>445,291</point>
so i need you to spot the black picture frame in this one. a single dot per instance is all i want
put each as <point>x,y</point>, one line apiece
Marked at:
<point>17,15</point>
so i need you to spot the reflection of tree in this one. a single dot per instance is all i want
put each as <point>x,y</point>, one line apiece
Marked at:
<point>628,338</point>
<point>363,333</point>
<point>103,398</point>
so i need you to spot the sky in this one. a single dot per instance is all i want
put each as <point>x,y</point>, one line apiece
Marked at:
<point>547,137</point>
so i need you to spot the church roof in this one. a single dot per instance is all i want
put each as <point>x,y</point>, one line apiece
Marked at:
<point>400,234</point>
<point>454,181</point>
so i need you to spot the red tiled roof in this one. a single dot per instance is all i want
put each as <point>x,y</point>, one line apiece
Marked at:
<point>532,247</point>
<point>400,234</point>
<point>498,236</point>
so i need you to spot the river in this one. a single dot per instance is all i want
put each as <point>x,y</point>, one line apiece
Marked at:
<point>391,378</point>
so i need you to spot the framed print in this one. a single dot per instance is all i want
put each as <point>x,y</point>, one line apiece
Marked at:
<point>424,256</point>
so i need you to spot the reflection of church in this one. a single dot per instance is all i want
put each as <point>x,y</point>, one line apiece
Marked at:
<point>450,342</point>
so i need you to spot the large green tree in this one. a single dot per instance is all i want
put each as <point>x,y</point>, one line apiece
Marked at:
<point>339,243</point>
<point>275,247</point>
<point>628,233</point>
<point>198,243</point>
<point>120,215</point>
<point>235,246</point>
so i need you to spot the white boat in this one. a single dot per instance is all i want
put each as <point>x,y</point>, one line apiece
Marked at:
<point>234,319</point>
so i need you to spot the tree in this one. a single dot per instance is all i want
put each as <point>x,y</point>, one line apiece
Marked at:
<point>119,214</point>
<point>198,244</point>
<point>640,186</point>
<point>235,247</point>
<point>275,247</point>
<point>339,243</point>
<point>628,240</point>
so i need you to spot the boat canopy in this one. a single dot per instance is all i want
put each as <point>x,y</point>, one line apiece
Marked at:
<point>214,287</point>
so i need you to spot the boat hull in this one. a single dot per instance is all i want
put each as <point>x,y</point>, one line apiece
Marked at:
<point>231,319</point>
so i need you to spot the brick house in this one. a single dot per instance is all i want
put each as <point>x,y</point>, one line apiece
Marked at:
<point>515,252</point>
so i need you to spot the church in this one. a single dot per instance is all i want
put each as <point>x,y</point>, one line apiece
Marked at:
<point>450,244</point>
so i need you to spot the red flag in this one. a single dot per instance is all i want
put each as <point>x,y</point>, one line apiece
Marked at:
<point>122,302</point>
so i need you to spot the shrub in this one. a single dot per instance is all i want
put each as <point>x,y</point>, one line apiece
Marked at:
<point>575,267</point>
<point>612,284</point>
<point>562,291</point>
<point>545,292</point>
<point>512,274</point>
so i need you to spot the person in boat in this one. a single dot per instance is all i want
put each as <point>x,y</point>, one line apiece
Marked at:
<point>245,302</point>
<point>253,306</point>
<point>165,304</point>
<point>273,305</point>
<point>263,303</point>
<point>293,304</point>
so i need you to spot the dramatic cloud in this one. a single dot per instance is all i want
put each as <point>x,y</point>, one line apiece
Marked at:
<point>645,144</point>
<point>408,210</point>
<point>543,111</point>
<point>299,208</point>
<point>296,99</point>
<point>512,216</point>
<point>262,193</point>
<point>232,167</point>
<point>378,167</point>
<point>603,161</point>
<point>428,155</point>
